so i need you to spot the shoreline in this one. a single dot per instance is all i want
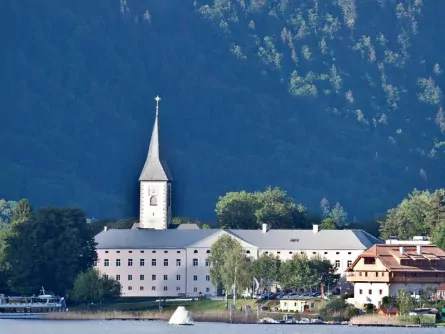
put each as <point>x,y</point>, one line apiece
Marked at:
<point>225,317</point>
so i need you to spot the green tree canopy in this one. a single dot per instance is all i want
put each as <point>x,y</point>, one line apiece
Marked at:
<point>90,286</point>
<point>48,249</point>
<point>6,212</point>
<point>304,272</point>
<point>418,214</point>
<point>274,207</point>
<point>230,268</point>
<point>328,224</point>
<point>266,269</point>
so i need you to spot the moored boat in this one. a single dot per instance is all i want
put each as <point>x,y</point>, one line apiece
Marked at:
<point>34,307</point>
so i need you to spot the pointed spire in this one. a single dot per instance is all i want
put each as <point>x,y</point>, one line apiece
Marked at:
<point>155,169</point>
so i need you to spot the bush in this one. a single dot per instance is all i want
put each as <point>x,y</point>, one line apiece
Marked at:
<point>89,287</point>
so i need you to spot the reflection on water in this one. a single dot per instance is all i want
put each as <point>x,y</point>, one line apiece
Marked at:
<point>148,327</point>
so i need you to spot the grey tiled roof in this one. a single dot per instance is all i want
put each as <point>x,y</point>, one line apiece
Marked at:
<point>273,239</point>
<point>146,238</point>
<point>307,239</point>
<point>155,169</point>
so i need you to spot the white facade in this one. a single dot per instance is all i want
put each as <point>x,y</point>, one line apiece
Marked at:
<point>186,271</point>
<point>365,293</point>
<point>155,204</point>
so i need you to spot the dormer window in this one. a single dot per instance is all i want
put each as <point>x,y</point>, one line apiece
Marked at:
<point>369,260</point>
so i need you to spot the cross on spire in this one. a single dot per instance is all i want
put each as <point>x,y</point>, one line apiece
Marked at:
<point>157,99</point>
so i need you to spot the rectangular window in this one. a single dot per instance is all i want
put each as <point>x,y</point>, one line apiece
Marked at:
<point>153,262</point>
<point>178,277</point>
<point>337,263</point>
<point>141,288</point>
<point>118,277</point>
<point>207,263</point>
<point>369,292</point>
<point>118,262</point>
<point>130,277</point>
<point>95,263</point>
<point>195,277</point>
<point>141,277</point>
<point>207,289</point>
<point>153,277</point>
<point>369,260</point>
<point>165,288</point>
<point>195,289</point>
<point>178,262</point>
<point>360,291</point>
<point>380,292</point>
<point>165,277</point>
<point>106,276</point>
<point>178,288</point>
<point>165,262</point>
<point>106,262</point>
<point>130,262</point>
<point>195,262</point>
<point>153,288</point>
<point>130,288</point>
<point>208,278</point>
<point>142,262</point>
<point>349,263</point>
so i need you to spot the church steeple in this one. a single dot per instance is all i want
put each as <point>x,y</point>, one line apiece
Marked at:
<point>155,169</point>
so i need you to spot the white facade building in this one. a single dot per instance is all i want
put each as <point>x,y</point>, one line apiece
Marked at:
<point>173,262</point>
<point>152,260</point>
<point>385,269</point>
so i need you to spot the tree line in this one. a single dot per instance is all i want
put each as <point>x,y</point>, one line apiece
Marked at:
<point>233,271</point>
<point>51,247</point>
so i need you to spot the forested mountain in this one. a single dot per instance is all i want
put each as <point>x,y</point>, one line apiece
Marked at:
<point>335,98</point>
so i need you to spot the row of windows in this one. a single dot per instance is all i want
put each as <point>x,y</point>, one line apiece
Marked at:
<point>153,277</point>
<point>370,292</point>
<point>153,288</point>
<point>165,252</point>
<point>153,262</point>
<point>314,253</point>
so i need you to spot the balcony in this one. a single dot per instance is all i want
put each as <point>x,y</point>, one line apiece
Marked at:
<point>371,277</point>
<point>419,279</point>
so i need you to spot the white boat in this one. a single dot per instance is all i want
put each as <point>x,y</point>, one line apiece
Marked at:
<point>34,307</point>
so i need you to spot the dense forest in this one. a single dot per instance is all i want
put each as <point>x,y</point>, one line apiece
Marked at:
<point>336,98</point>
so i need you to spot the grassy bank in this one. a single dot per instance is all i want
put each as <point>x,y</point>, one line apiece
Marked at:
<point>152,306</point>
<point>373,320</point>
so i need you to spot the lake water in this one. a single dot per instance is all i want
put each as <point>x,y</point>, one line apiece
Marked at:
<point>149,327</point>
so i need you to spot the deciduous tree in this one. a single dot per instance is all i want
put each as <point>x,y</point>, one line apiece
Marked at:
<point>49,249</point>
<point>230,268</point>
<point>90,286</point>
<point>266,269</point>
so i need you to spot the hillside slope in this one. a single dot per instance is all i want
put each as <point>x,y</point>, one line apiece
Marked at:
<point>337,98</point>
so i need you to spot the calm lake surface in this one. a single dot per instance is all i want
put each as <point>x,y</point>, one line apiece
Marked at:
<point>149,327</point>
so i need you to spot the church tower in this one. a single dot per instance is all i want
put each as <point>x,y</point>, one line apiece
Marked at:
<point>155,185</point>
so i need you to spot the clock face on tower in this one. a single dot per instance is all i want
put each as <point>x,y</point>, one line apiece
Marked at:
<point>153,191</point>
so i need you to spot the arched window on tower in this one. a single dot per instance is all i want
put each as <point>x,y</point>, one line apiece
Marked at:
<point>153,201</point>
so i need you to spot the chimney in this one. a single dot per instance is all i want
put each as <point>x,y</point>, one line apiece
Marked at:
<point>105,229</point>
<point>419,249</point>
<point>402,250</point>
<point>265,228</point>
<point>315,228</point>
